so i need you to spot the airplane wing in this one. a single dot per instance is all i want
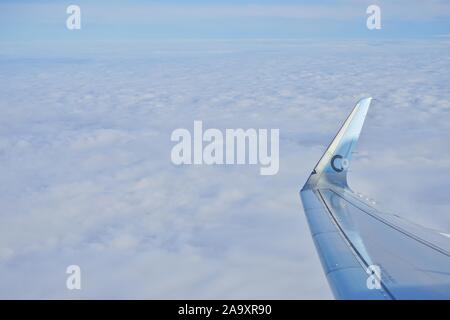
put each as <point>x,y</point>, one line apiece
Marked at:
<point>365,253</point>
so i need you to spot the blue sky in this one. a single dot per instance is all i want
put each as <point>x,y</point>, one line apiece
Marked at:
<point>115,20</point>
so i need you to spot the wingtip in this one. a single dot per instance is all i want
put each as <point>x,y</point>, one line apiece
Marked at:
<point>366,101</point>
<point>333,165</point>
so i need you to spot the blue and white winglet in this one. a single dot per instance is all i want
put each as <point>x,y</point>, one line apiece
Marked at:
<point>365,253</point>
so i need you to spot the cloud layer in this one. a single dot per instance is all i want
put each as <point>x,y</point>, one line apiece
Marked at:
<point>87,178</point>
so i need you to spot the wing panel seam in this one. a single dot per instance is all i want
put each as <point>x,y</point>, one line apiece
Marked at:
<point>399,229</point>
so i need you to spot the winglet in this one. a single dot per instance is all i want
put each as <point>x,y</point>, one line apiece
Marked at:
<point>333,166</point>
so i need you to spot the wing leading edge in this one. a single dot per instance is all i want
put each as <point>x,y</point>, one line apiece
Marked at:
<point>365,253</point>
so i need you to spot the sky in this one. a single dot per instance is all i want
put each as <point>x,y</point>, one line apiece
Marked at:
<point>85,139</point>
<point>112,20</point>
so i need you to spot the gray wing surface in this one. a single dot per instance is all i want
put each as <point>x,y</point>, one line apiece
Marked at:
<point>365,253</point>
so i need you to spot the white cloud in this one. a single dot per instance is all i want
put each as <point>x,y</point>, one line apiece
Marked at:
<point>87,177</point>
